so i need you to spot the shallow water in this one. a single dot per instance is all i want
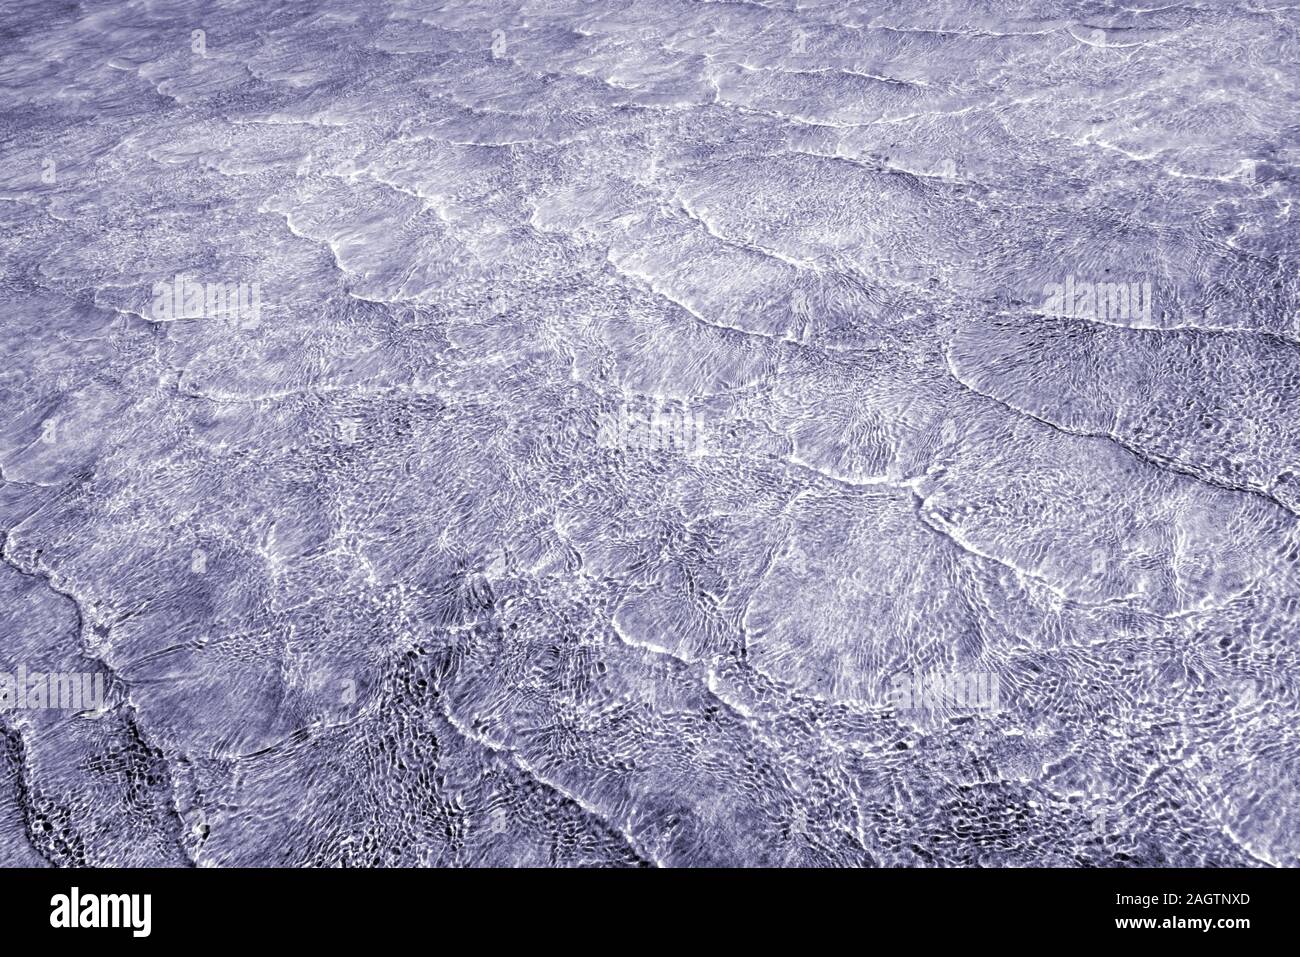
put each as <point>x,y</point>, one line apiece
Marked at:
<point>640,433</point>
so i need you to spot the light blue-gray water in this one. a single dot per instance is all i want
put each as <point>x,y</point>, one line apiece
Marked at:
<point>675,433</point>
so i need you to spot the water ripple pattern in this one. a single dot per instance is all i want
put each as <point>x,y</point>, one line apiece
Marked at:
<point>631,433</point>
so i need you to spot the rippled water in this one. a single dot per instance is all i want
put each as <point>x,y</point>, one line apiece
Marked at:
<point>651,433</point>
